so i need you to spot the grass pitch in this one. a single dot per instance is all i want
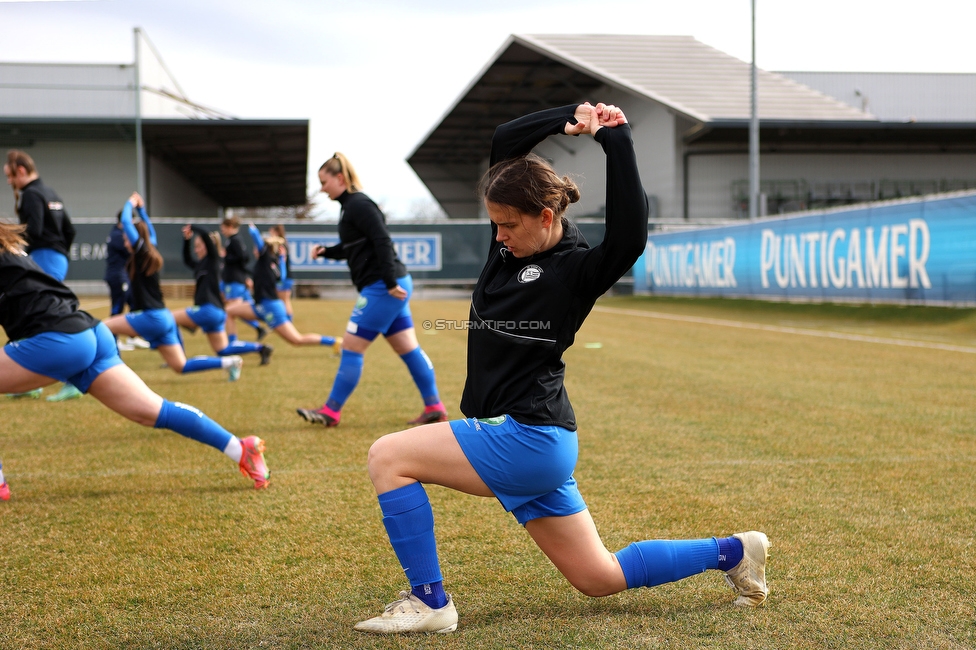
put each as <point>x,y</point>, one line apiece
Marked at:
<point>853,454</point>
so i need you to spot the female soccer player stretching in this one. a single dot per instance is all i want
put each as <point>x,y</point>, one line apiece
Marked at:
<point>383,306</point>
<point>267,306</point>
<point>52,340</point>
<point>151,320</point>
<point>207,311</point>
<point>287,282</point>
<point>519,442</point>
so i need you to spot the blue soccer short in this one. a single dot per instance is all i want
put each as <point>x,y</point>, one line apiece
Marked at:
<point>233,290</point>
<point>272,312</point>
<point>72,358</point>
<point>156,326</point>
<point>377,312</point>
<point>529,468</point>
<point>51,262</point>
<point>210,318</point>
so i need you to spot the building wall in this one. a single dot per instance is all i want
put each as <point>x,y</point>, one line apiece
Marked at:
<point>67,90</point>
<point>171,195</point>
<point>95,178</point>
<point>582,159</point>
<point>710,176</point>
<point>92,178</point>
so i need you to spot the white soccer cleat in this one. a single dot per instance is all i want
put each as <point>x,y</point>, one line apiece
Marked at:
<point>410,615</point>
<point>748,577</point>
<point>234,369</point>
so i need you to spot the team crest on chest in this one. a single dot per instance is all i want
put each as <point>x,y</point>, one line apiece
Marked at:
<point>530,273</point>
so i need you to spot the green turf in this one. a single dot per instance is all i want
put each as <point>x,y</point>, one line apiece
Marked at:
<point>855,457</point>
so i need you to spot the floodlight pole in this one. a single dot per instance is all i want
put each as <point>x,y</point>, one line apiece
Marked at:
<point>140,156</point>
<point>754,131</point>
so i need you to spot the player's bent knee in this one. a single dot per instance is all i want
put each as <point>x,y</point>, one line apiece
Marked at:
<point>382,458</point>
<point>594,586</point>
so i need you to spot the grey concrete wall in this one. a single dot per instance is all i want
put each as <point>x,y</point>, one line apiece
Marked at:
<point>171,195</point>
<point>92,178</point>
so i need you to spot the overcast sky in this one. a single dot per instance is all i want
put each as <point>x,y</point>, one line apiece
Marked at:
<point>374,76</point>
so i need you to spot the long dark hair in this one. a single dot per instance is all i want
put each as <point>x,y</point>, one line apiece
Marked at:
<point>152,260</point>
<point>528,184</point>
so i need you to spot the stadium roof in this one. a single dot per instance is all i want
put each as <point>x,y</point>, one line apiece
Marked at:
<point>530,72</point>
<point>689,77</point>
<point>239,163</point>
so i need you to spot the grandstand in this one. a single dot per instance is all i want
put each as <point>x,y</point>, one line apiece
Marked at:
<point>826,139</point>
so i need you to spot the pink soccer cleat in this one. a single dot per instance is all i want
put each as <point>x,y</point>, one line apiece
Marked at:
<point>252,462</point>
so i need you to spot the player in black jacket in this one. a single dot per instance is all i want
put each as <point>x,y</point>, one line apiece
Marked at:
<point>201,252</point>
<point>383,306</point>
<point>51,339</point>
<point>150,318</point>
<point>235,276</point>
<point>267,306</point>
<point>49,231</point>
<point>519,442</point>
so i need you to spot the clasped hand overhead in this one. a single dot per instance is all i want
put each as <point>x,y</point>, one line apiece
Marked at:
<point>590,119</point>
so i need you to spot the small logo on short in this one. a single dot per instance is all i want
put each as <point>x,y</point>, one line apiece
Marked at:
<point>360,302</point>
<point>529,274</point>
<point>493,421</point>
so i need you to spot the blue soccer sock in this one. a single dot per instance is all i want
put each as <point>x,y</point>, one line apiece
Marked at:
<point>255,324</point>
<point>409,522</point>
<point>655,562</point>
<point>192,423</point>
<point>432,594</point>
<point>346,379</point>
<point>196,364</point>
<point>327,340</point>
<point>231,338</point>
<point>240,347</point>
<point>422,371</point>
<point>729,552</point>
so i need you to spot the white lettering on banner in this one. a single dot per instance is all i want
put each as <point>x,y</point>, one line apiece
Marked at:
<point>876,260</point>
<point>918,234</point>
<point>413,253</point>
<point>88,252</point>
<point>895,259</point>
<point>702,264</point>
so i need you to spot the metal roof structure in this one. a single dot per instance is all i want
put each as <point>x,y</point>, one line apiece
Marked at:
<point>900,96</point>
<point>234,162</point>
<point>240,163</point>
<point>690,77</point>
<point>530,72</point>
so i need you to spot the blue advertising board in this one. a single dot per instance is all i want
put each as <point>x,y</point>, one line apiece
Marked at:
<point>440,252</point>
<point>418,251</point>
<point>913,251</point>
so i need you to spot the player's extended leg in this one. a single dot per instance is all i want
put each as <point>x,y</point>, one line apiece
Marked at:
<point>290,333</point>
<point>404,343</point>
<point>574,546</point>
<point>14,378</point>
<point>121,390</point>
<point>183,320</point>
<point>120,325</point>
<point>176,359</point>
<point>345,382</point>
